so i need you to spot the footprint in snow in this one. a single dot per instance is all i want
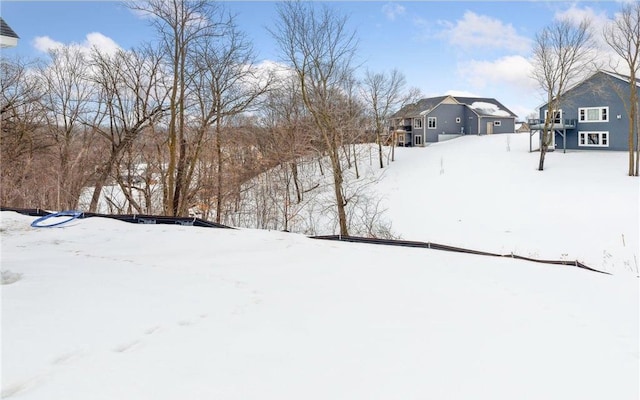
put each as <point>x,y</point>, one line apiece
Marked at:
<point>152,330</point>
<point>126,346</point>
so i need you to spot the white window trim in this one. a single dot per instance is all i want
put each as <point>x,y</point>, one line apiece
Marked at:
<point>497,123</point>
<point>600,136</point>
<point>586,109</point>
<point>458,120</point>
<point>415,141</point>
<point>435,122</point>
<point>417,123</point>
<point>546,112</point>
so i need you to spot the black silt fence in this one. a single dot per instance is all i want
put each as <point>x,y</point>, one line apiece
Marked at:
<point>185,221</point>
<point>437,246</point>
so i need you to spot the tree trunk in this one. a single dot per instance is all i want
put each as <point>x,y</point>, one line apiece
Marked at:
<point>544,145</point>
<point>181,185</point>
<point>219,173</point>
<point>355,161</point>
<point>294,172</point>
<point>337,185</point>
<point>393,146</point>
<point>380,149</point>
<point>97,190</point>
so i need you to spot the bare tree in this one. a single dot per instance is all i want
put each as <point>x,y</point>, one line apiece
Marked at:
<point>562,54</point>
<point>623,36</point>
<point>317,45</point>
<point>383,94</point>
<point>227,83</point>
<point>22,150</point>
<point>412,96</point>
<point>181,25</point>
<point>67,98</point>
<point>128,83</point>
<point>288,129</point>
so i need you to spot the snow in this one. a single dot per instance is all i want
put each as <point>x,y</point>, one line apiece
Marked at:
<point>485,193</point>
<point>489,109</point>
<point>103,309</point>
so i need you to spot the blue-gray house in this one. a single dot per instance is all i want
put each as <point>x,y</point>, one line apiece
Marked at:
<point>435,118</point>
<point>591,115</point>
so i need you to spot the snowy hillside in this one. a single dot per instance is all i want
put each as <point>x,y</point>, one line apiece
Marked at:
<point>102,309</point>
<point>110,310</point>
<point>485,192</point>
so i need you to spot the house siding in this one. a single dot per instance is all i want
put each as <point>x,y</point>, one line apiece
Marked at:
<point>447,109</point>
<point>507,125</point>
<point>597,91</point>
<point>447,114</point>
<point>471,122</point>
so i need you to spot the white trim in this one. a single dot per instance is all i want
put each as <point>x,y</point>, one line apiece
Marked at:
<point>497,123</point>
<point>416,122</point>
<point>602,139</point>
<point>8,41</point>
<point>435,123</point>
<point>546,112</point>
<point>458,120</point>
<point>584,112</point>
<point>415,141</point>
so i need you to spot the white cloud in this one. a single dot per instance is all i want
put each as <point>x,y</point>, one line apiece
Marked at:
<point>597,22</point>
<point>93,39</point>
<point>45,44</point>
<point>481,31</point>
<point>508,79</point>
<point>101,42</point>
<point>461,93</point>
<point>508,70</point>
<point>576,14</point>
<point>392,10</point>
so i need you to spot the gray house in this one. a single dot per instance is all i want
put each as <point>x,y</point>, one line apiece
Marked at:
<point>591,116</point>
<point>439,118</point>
<point>8,38</point>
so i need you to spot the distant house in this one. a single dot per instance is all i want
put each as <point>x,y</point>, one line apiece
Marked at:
<point>591,116</point>
<point>8,38</point>
<point>522,127</point>
<point>437,118</point>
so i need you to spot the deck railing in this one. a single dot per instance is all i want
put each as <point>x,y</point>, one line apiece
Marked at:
<point>537,123</point>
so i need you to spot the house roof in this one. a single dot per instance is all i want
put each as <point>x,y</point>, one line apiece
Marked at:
<point>624,78</point>
<point>483,106</point>
<point>486,107</point>
<point>5,30</point>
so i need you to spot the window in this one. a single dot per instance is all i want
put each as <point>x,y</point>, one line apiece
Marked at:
<point>557,116</point>
<point>458,120</point>
<point>417,122</point>
<point>432,122</point>
<point>417,140</point>
<point>497,123</point>
<point>593,114</point>
<point>593,139</point>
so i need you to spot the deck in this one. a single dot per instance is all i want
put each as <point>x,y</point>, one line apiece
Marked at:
<point>538,124</point>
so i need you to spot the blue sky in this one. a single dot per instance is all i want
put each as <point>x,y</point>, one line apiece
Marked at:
<point>477,48</point>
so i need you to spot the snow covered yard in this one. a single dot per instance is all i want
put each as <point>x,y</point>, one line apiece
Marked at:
<point>111,310</point>
<point>485,193</point>
<point>102,309</point>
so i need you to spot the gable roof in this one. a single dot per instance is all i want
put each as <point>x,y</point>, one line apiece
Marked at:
<point>5,30</point>
<point>615,75</point>
<point>483,106</point>
<point>8,38</point>
<point>625,78</point>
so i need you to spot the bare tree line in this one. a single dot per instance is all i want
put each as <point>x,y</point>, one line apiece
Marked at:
<point>183,124</point>
<point>188,124</point>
